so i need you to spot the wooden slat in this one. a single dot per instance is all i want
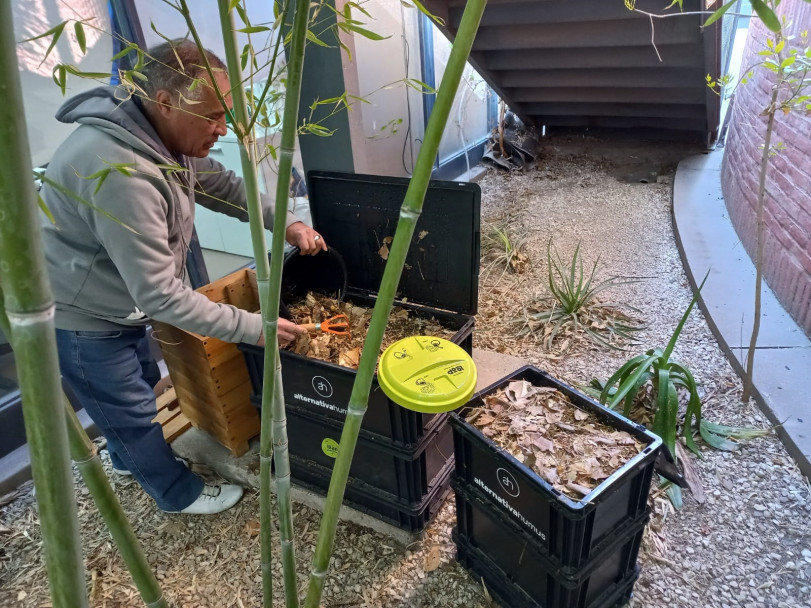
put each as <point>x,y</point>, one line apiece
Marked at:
<point>176,427</point>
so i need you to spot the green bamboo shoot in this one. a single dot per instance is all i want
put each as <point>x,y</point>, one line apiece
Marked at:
<point>409,214</point>
<point>30,310</point>
<point>273,440</point>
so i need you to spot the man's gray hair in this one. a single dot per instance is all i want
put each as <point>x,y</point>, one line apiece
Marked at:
<point>173,66</point>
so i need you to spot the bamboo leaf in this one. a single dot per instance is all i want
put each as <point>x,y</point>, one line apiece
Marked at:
<point>346,26</point>
<point>70,194</point>
<point>719,13</point>
<point>44,208</point>
<point>421,7</point>
<point>72,69</point>
<point>78,29</point>
<point>125,51</point>
<point>767,16</point>
<point>56,32</point>
<point>59,75</point>
<point>313,38</point>
<point>254,29</point>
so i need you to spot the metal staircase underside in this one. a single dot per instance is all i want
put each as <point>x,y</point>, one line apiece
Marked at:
<point>591,64</point>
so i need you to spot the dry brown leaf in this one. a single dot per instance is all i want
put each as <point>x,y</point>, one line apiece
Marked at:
<point>383,252</point>
<point>350,358</point>
<point>485,419</point>
<point>432,559</point>
<point>542,443</point>
<point>252,527</point>
<point>580,415</point>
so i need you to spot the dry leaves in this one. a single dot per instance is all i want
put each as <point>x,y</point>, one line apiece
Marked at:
<point>383,252</point>
<point>346,350</point>
<point>568,447</point>
<point>432,559</point>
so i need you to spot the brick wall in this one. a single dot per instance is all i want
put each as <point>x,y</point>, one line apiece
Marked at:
<point>787,249</point>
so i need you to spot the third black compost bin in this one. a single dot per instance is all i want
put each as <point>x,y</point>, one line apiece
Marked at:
<point>576,553</point>
<point>356,214</point>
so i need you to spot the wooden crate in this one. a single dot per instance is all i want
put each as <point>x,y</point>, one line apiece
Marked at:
<point>209,375</point>
<point>170,417</point>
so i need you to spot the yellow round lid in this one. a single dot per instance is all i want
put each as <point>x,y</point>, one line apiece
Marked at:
<point>427,374</point>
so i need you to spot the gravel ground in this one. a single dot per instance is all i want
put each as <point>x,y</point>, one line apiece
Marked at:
<point>747,544</point>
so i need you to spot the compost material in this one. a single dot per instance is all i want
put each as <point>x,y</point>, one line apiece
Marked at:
<point>346,350</point>
<point>572,450</point>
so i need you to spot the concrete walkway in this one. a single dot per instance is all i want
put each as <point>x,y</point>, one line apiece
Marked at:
<point>708,241</point>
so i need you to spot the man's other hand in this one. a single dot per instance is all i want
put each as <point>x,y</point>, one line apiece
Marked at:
<point>287,332</point>
<point>305,238</point>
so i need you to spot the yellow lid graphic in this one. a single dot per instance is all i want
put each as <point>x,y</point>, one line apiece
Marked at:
<point>330,447</point>
<point>427,374</point>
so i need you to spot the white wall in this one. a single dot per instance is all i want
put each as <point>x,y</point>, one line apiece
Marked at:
<point>42,96</point>
<point>376,71</point>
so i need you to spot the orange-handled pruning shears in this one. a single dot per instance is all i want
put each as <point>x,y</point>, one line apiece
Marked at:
<point>338,325</point>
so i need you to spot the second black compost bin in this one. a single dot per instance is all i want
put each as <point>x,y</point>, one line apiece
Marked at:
<point>412,451</point>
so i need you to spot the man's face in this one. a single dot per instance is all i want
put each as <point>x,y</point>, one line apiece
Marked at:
<point>193,128</point>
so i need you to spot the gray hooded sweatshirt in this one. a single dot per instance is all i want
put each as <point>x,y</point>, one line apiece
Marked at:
<point>107,273</point>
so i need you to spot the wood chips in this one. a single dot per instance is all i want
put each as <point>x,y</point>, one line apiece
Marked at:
<point>346,350</point>
<point>568,447</point>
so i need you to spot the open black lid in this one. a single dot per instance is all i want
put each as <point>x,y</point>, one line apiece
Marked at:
<point>355,213</point>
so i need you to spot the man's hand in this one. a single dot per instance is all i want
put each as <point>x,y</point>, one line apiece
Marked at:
<point>287,332</point>
<point>305,238</point>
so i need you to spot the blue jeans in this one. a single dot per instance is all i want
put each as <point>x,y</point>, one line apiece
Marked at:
<point>112,374</point>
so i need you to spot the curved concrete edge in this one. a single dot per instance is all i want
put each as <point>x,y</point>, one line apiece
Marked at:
<point>707,242</point>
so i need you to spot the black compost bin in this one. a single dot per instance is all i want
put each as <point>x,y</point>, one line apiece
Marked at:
<point>355,214</point>
<point>568,532</point>
<point>530,585</point>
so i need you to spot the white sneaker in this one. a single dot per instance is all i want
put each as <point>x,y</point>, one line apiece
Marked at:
<point>213,499</point>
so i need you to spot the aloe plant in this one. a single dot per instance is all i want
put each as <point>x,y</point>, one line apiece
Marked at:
<point>576,306</point>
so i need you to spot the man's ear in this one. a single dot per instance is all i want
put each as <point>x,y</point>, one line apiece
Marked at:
<point>164,103</point>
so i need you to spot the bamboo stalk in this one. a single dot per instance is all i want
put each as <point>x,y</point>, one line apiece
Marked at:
<point>30,310</point>
<point>409,214</point>
<point>273,393</point>
<point>273,440</point>
<point>86,457</point>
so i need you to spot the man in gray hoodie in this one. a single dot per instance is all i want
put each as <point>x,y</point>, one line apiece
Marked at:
<point>141,162</point>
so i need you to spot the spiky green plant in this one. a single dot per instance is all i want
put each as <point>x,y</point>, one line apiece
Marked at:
<point>577,309</point>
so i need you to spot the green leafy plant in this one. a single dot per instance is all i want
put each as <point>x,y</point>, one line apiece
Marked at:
<point>655,369</point>
<point>666,376</point>
<point>577,309</point>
